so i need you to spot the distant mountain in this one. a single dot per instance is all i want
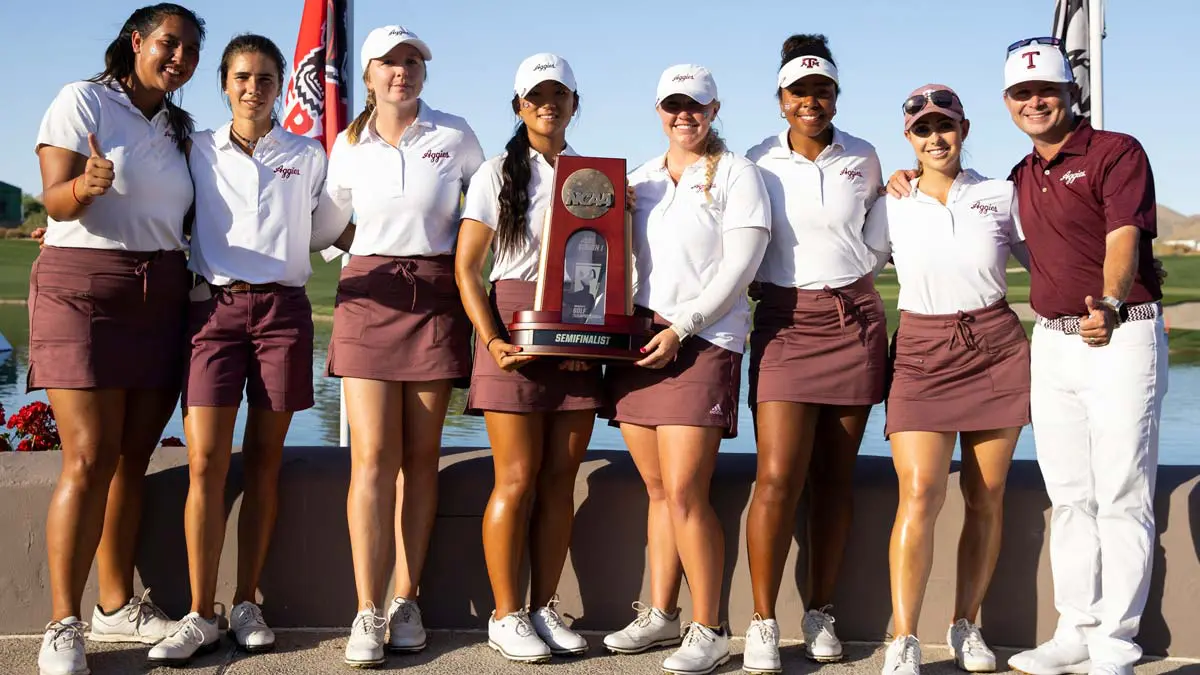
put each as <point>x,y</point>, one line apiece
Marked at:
<point>1174,225</point>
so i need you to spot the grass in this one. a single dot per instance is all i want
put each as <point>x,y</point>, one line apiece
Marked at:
<point>1182,285</point>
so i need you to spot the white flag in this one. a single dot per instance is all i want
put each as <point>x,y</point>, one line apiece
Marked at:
<point>1071,26</point>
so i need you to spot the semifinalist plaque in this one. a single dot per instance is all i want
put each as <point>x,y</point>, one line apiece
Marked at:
<point>583,307</point>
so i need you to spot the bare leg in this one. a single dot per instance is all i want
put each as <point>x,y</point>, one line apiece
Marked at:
<point>376,413</point>
<point>688,456</point>
<point>147,412</point>
<point>922,460</point>
<point>262,456</point>
<point>566,442</point>
<point>425,405</point>
<point>517,441</point>
<point>90,424</point>
<point>209,443</point>
<point>835,452</point>
<point>662,556</point>
<point>986,458</point>
<point>785,443</point>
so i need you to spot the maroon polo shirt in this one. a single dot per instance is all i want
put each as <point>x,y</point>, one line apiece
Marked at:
<point>1099,181</point>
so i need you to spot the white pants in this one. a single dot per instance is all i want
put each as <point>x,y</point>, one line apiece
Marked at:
<point>1095,424</point>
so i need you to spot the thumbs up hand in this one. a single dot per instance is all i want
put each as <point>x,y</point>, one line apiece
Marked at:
<point>98,175</point>
<point>1096,328</point>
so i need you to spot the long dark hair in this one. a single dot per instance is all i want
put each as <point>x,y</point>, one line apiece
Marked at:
<point>515,174</point>
<point>253,44</point>
<point>805,44</point>
<point>119,58</point>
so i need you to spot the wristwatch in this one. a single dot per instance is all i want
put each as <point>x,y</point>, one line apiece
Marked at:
<point>1117,306</point>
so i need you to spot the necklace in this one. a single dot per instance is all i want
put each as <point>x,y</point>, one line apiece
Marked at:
<point>245,141</point>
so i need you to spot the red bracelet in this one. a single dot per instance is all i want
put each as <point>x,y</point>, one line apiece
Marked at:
<point>77,200</point>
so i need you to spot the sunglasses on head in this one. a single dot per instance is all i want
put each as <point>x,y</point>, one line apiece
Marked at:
<point>674,105</point>
<point>926,129</point>
<point>941,98</point>
<point>1051,41</point>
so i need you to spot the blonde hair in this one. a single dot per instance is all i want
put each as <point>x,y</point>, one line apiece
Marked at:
<point>354,131</point>
<point>714,147</point>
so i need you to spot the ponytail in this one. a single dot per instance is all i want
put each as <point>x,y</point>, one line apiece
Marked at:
<point>119,59</point>
<point>355,130</point>
<point>514,193</point>
<point>714,147</point>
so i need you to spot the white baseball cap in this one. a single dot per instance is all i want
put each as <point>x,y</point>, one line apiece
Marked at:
<point>1036,63</point>
<point>803,66</point>
<point>541,67</point>
<point>385,38</point>
<point>695,82</point>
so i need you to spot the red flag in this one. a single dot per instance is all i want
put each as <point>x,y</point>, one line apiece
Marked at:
<point>316,104</point>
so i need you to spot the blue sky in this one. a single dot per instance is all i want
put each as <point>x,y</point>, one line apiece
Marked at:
<point>618,48</point>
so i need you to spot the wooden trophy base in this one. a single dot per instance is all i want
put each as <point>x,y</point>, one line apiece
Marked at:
<point>540,332</point>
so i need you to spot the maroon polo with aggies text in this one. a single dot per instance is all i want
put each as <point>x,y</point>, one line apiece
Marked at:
<point>1098,182</point>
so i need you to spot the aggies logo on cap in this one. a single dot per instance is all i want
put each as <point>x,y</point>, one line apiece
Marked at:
<point>810,62</point>
<point>683,78</point>
<point>542,66</point>
<point>1029,58</point>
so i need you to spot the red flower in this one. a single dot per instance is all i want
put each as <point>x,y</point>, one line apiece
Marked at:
<point>26,445</point>
<point>35,422</point>
<point>171,442</point>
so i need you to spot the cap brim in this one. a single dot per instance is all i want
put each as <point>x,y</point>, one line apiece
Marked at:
<point>930,110</point>
<point>794,81</point>
<point>701,97</point>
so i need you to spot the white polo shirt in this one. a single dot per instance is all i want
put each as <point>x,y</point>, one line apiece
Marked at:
<point>677,237</point>
<point>950,257</point>
<point>405,199</point>
<point>817,211</point>
<point>254,213</point>
<point>483,204</point>
<point>151,189</point>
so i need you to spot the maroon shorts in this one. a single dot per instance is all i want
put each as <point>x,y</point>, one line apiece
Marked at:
<point>260,341</point>
<point>826,347</point>
<point>399,320</point>
<point>107,319</point>
<point>698,389</point>
<point>959,372</point>
<point>538,386</point>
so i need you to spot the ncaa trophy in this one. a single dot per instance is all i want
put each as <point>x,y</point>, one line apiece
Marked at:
<point>583,307</point>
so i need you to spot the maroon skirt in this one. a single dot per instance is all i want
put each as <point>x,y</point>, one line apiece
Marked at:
<point>825,347</point>
<point>538,386</point>
<point>959,372</point>
<point>107,319</point>
<point>698,389</point>
<point>399,320</point>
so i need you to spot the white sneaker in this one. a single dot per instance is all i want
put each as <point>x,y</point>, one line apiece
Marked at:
<point>406,633</point>
<point>1052,658</point>
<point>138,621</point>
<point>193,635</point>
<point>821,644</point>
<point>652,628</point>
<point>903,657</point>
<point>703,651</point>
<point>549,626</point>
<point>515,638</point>
<point>62,650</point>
<point>971,653</point>
<point>248,629</point>
<point>762,647</point>
<point>365,647</point>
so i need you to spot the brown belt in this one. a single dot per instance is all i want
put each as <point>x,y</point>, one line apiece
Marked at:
<point>247,287</point>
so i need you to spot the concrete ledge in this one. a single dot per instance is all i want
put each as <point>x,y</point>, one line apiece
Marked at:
<point>309,582</point>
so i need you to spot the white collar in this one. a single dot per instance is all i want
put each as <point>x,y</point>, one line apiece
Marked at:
<point>782,150</point>
<point>223,136</point>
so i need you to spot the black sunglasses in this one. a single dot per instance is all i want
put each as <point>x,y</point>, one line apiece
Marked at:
<point>1051,41</point>
<point>941,98</point>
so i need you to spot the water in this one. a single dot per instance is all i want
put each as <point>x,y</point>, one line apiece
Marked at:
<point>319,425</point>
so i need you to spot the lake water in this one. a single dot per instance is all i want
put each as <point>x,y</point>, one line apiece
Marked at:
<point>319,425</point>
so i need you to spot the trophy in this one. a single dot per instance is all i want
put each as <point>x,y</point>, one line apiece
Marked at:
<point>583,307</point>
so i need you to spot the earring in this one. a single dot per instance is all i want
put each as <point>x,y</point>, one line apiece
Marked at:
<point>782,115</point>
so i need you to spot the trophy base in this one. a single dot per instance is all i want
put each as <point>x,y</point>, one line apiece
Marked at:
<point>620,338</point>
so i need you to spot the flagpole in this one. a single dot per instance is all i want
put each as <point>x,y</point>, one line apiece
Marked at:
<point>1096,54</point>
<point>343,418</point>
